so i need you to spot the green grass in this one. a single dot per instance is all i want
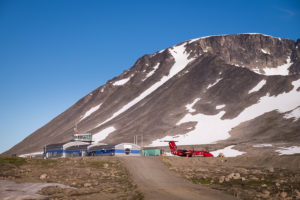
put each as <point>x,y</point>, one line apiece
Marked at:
<point>12,160</point>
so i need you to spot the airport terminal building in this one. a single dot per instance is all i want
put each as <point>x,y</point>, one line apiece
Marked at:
<point>81,145</point>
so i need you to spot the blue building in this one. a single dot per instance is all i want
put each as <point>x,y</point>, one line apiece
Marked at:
<point>81,146</point>
<point>123,149</point>
<point>68,149</point>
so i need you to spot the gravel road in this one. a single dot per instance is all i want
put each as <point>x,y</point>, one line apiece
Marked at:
<point>156,181</point>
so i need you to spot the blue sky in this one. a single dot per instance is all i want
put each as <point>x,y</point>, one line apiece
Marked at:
<point>53,52</point>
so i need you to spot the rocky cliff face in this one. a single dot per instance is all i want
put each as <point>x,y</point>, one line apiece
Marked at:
<point>240,88</point>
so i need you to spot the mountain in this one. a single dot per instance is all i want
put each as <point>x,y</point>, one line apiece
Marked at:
<point>231,88</point>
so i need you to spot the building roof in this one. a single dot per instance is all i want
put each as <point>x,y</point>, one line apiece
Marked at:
<point>96,145</point>
<point>55,146</point>
<point>75,143</point>
<point>130,145</point>
<point>100,147</point>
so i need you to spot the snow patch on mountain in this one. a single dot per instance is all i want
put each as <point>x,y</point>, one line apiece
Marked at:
<point>216,82</point>
<point>258,86</point>
<point>97,137</point>
<point>220,106</point>
<point>181,61</point>
<point>211,128</point>
<point>237,65</point>
<point>228,152</point>
<point>189,107</point>
<point>282,70</point>
<point>262,145</point>
<point>295,113</point>
<point>122,81</point>
<point>288,150</point>
<point>265,52</point>
<point>152,71</point>
<point>90,111</point>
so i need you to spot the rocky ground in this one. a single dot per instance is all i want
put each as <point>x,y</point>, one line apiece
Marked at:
<point>275,177</point>
<point>243,177</point>
<point>89,178</point>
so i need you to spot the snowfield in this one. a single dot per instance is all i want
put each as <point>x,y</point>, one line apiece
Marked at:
<point>220,106</point>
<point>211,128</point>
<point>216,82</point>
<point>189,107</point>
<point>258,86</point>
<point>265,52</point>
<point>228,152</point>
<point>288,150</point>
<point>122,81</point>
<point>293,114</point>
<point>282,70</point>
<point>97,137</point>
<point>90,111</point>
<point>262,145</point>
<point>152,71</point>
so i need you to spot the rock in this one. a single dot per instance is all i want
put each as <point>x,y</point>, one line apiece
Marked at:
<point>230,176</point>
<point>188,176</point>
<point>253,178</point>
<point>105,165</point>
<point>95,183</point>
<point>271,169</point>
<point>263,185</point>
<point>227,179</point>
<point>297,194</point>
<point>243,179</point>
<point>50,190</point>
<point>221,179</point>
<point>256,171</point>
<point>258,195</point>
<point>277,184</point>
<point>283,194</point>
<point>265,194</point>
<point>43,176</point>
<point>87,185</point>
<point>236,176</point>
<point>73,183</point>
<point>221,155</point>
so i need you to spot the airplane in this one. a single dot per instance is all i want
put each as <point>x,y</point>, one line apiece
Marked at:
<point>186,153</point>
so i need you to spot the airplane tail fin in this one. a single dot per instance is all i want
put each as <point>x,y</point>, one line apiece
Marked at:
<point>172,146</point>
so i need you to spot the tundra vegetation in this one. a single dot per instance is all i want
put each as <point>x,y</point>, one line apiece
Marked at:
<point>88,178</point>
<point>244,178</point>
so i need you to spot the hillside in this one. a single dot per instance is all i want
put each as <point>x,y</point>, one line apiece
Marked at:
<point>231,88</point>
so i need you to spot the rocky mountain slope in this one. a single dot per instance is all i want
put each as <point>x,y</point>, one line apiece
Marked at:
<point>238,88</point>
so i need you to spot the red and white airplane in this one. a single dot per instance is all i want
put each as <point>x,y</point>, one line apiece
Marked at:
<point>187,153</point>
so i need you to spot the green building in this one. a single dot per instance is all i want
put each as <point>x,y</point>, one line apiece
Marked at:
<point>151,152</point>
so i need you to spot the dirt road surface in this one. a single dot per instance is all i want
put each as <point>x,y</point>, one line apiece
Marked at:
<point>156,181</point>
